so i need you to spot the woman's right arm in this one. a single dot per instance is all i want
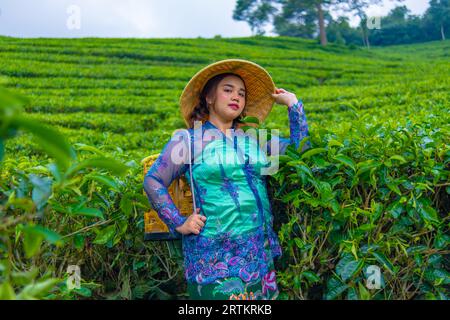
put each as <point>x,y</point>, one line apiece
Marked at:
<point>170,164</point>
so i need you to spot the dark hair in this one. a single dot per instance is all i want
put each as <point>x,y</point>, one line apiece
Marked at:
<point>201,111</point>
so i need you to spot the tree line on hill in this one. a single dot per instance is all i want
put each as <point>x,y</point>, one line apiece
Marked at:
<point>312,19</point>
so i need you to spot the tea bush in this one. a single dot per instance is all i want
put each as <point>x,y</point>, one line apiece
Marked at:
<point>367,197</point>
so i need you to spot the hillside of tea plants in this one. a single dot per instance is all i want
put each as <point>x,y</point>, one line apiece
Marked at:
<point>362,214</point>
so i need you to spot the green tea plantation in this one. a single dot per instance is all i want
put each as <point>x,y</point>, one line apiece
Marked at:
<point>363,214</point>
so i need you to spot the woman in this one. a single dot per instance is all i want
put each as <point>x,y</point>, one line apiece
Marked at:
<point>228,243</point>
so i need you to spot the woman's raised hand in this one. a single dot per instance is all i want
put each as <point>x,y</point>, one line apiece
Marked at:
<point>284,97</point>
<point>193,224</point>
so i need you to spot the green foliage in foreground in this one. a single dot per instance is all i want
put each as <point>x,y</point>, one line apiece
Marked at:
<point>373,190</point>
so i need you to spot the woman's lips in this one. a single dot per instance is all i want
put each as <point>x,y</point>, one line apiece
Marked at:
<point>233,106</point>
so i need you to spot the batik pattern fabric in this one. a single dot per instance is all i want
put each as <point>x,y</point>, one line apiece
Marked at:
<point>237,243</point>
<point>235,288</point>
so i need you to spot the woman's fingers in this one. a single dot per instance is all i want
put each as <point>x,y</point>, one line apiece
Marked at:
<point>194,228</point>
<point>196,213</point>
<point>197,222</point>
<point>200,223</point>
<point>279,92</point>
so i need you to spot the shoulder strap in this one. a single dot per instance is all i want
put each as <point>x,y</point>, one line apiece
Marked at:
<point>190,170</point>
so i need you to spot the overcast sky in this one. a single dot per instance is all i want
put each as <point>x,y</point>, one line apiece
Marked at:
<point>136,18</point>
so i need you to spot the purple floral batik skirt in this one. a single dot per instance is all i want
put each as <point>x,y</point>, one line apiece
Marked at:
<point>234,288</point>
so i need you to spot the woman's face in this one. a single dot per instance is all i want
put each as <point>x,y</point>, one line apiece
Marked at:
<point>230,98</point>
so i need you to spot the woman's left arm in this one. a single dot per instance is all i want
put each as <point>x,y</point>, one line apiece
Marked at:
<point>298,124</point>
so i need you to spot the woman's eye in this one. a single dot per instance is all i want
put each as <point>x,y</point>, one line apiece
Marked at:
<point>241,94</point>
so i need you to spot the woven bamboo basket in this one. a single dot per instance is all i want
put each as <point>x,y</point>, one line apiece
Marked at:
<point>179,190</point>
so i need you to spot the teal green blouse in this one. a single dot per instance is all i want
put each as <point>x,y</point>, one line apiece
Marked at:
<point>229,186</point>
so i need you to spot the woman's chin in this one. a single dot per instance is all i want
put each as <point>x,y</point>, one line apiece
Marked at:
<point>231,116</point>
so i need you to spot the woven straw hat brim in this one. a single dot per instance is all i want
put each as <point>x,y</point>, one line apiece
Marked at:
<point>258,82</point>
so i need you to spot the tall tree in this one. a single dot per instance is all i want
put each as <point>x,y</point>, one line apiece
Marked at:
<point>437,17</point>
<point>255,12</point>
<point>296,18</point>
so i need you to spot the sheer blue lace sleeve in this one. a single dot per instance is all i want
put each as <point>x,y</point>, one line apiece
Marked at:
<point>170,164</point>
<point>298,130</point>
